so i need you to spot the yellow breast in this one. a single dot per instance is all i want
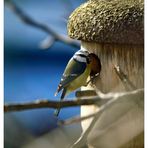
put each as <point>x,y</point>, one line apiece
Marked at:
<point>80,81</point>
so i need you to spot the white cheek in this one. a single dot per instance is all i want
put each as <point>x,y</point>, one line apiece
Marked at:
<point>80,59</point>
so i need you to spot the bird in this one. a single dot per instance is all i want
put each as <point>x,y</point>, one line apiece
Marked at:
<point>79,68</point>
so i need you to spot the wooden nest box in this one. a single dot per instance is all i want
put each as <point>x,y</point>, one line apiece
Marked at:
<point>114,31</point>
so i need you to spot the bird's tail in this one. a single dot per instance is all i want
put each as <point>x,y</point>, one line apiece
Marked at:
<point>57,111</point>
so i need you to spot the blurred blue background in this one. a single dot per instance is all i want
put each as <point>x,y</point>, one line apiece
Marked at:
<point>31,73</point>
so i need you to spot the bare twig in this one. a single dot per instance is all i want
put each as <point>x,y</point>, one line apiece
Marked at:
<point>115,95</point>
<point>132,96</point>
<point>75,119</point>
<point>123,77</point>
<point>53,104</point>
<point>85,93</point>
<point>30,21</point>
<point>47,42</point>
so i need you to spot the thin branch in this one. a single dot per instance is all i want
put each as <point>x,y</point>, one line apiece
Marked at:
<point>136,96</point>
<point>53,104</point>
<point>123,77</point>
<point>119,96</point>
<point>75,119</point>
<point>85,93</point>
<point>30,21</point>
<point>47,42</point>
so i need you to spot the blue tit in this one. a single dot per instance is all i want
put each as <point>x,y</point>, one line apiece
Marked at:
<point>76,73</point>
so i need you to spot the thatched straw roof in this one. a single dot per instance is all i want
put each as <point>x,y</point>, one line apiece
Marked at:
<point>108,21</point>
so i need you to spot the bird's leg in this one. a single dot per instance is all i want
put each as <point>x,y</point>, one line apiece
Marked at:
<point>92,78</point>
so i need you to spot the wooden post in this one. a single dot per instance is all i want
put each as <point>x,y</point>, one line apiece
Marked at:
<point>114,31</point>
<point>130,58</point>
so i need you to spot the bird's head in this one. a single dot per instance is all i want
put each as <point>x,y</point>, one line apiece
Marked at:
<point>81,56</point>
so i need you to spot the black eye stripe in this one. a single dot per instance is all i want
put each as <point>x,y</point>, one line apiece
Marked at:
<point>81,55</point>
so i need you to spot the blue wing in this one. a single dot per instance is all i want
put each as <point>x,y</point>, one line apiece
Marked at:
<point>73,70</point>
